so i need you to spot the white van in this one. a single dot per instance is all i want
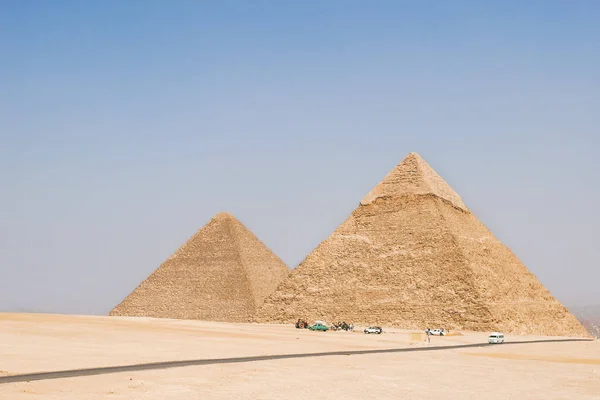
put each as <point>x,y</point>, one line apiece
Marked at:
<point>496,337</point>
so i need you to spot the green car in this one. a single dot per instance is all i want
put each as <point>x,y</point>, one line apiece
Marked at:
<point>318,327</point>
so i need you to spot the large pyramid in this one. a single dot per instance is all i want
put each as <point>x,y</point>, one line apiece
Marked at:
<point>222,273</point>
<point>412,255</point>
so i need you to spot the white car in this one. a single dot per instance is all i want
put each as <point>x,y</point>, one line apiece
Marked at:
<point>373,329</point>
<point>496,338</point>
<point>437,332</point>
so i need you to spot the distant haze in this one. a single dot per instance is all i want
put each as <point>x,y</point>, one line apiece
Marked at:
<point>125,126</point>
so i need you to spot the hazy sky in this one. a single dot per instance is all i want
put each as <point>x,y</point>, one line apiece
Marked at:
<point>125,126</point>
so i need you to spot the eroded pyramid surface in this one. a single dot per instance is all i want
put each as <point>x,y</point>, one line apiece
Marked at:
<point>412,255</point>
<point>222,273</point>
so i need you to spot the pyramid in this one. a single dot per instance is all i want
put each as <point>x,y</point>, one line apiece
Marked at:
<point>412,255</point>
<point>222,273</point>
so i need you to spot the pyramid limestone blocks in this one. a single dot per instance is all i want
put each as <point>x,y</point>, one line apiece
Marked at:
<point>222,273</point>
<point>412,255</point>
<point>413,176</point>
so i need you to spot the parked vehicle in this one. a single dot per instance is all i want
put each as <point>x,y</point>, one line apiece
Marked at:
<point>341,326</point>
<point>437,332</point>
<point>318,327</point>
<point>301,324</point>
<point>374,329</point>
<point>496,338</point>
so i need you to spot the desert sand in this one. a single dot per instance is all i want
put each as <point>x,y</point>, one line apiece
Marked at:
<point>31,343</point>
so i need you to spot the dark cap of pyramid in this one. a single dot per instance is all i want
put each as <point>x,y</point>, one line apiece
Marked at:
<point>413,176</point>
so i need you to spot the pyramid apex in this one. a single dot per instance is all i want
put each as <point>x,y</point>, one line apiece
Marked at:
<point>414,157</point>
<point>223,216</point>
<point>414,176</point>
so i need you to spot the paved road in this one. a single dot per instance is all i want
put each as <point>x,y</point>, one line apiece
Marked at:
<point>187,363</point>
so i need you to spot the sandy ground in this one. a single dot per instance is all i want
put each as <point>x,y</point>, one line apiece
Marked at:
<point>38,343</point>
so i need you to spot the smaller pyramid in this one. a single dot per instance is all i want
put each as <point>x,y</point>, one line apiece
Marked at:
<point>222,273</point>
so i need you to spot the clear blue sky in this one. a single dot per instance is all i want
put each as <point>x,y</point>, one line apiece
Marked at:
<point>125,126</point>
